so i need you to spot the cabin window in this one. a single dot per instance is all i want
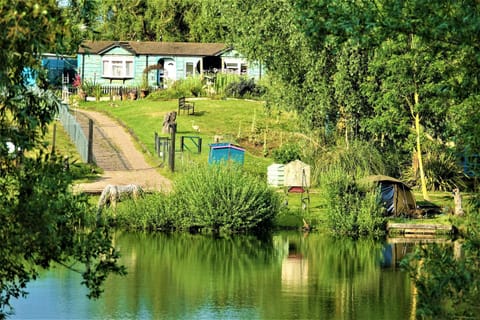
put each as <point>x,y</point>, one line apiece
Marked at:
<point>232,67</point>
<point>117,67</point>
<point>237,66</point>
<point>243,68</point>
<point>189,69</point>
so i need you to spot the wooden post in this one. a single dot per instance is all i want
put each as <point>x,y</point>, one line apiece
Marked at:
<point>457,199</point>
<point>90,142</point>
<point>171,158</point>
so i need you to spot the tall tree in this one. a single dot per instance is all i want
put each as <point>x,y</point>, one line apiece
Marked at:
<point>42,221</point>
<point>415,45</point>
<point>153,20</point>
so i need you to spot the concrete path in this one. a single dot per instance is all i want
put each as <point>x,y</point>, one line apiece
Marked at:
<point>115,152</point>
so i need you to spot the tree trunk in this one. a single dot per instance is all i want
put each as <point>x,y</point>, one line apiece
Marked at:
<point>419,152</point>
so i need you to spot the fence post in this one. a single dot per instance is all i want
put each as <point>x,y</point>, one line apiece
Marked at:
<point>90,141</point>
<point>199,145</point>
<point>171,159</point>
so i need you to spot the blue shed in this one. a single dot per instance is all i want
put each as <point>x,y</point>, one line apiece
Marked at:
<point>226,151</point>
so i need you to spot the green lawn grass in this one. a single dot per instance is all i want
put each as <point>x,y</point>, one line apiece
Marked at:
<point>240,122</point>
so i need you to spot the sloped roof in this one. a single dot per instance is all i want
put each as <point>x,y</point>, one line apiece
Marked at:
<point>155,48</point>
<point>382,178</point>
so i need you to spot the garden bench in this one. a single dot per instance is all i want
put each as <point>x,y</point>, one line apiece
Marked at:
<point>185,106</point>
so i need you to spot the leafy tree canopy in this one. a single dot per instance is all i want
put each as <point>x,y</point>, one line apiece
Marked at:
<point>42,221</point>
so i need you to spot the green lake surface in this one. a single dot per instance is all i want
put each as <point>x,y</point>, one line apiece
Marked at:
<point>286,275</point>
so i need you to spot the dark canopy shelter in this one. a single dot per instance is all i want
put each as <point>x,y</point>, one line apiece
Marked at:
<point>396,196</point>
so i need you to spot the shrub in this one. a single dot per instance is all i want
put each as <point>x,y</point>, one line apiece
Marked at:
<point>351,210</point>
<point>287,153</point>
<point>244,87</point>
<point>442,172</point>
<point>189,87</point>
<point>222,197</point>
<point>151,213</point>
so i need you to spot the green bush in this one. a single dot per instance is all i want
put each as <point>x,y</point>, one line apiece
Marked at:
<point>442,172</point>
<point>189,87</point>
<point>359,157</point>
<point>244,88</point>
<point>351,210</point>
<point>217,198</point>
<point>151,213</point>
<point>287,153</point>
<point>222,197</point>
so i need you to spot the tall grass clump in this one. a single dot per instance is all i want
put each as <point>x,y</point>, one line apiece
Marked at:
<point>356,159</point>
<point>222,197</point>
<point>150,213</point>
<point>222,81</point>
<point>442,172</point>
<point>350,209</point>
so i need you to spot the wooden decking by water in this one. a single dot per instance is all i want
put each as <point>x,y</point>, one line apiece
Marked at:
<point>419,228</point>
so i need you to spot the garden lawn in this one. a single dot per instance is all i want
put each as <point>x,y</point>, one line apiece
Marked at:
<point>240,122</point>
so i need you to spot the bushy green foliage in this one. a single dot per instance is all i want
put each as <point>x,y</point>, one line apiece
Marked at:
<point>43,223</point>
<point>442,172</point>
<point>244,87</point>
<point>286,153</point>
<point>188,87</point>
<point>223,197</point>
<point>350,210</point>
<point>221,81</point>
<point>150,213</point>
<point>217,198</point>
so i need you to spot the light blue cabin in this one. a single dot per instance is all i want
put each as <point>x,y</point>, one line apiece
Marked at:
<point>130,63</point>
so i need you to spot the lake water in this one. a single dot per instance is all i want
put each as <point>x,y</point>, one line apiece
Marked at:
<point>287,275</point>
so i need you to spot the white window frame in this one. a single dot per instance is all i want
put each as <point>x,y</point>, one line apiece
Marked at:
<point>189,73</point>
<point>117,67</point>
<point>235,65</point>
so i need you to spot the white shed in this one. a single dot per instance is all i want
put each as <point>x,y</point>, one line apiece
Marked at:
<point>297,174</point>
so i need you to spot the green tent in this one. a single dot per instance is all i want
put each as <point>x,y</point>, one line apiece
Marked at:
<point>396,196</point>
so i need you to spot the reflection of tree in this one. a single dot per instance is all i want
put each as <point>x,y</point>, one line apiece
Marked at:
<point>446,279</point>
<point>345,280</point>
<point>194,265</point>
<point>183,274</point>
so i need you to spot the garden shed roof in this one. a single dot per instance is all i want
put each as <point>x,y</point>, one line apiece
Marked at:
<point>155,48</point>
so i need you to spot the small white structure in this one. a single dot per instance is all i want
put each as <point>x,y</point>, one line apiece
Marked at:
<point>297,174</point>
<point>276,175</point>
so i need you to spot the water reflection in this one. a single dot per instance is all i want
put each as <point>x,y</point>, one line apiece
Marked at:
<point>289,275</point>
